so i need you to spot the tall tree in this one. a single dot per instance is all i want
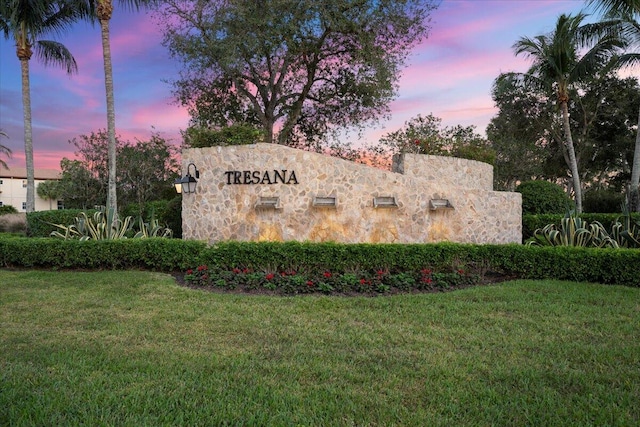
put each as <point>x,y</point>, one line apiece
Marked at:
<point>149,168</point>
<point>4,150</point>
<point>602,114</point>
<point>297,68</point>
<point>524,128</point>
<point>628,11</point>
<point>103,11</point>
<point>78,187</point>
<point>560,60</point>
<point>26,22</point>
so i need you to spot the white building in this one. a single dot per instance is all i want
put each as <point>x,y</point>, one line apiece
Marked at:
<point>13,188</point>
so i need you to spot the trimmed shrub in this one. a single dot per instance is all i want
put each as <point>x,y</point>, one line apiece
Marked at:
<point>320,257</point>
<point>7,209</point>
<point>602,201</point>
<point>167,212</point>
<point>543,197</point>
<point>330,267</point>
<point>152,254</point>
<point>39,223</point>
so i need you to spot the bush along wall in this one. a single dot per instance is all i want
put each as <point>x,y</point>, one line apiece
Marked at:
<point>404,266</point>
<point>150,254</point>
<point>293,267</point>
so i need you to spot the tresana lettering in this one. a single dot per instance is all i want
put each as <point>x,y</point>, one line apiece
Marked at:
<point>282,176</point>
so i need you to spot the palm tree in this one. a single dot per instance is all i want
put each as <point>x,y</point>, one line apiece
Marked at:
<point>4,150</point>
<point>103,11</point>
<point>627,12</point>
<point>25,21</point>
<point>560,60</point>
<point>48,190</point>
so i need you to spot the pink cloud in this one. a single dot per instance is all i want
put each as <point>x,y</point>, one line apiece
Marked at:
<point>449,75</point>
<point>161,115</point>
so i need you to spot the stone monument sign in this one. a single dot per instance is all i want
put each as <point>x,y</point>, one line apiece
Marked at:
<point>272,192</point>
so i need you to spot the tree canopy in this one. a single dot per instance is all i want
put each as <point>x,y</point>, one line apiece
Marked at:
<point>569,55</point>
<point>602,116</point>
<point>426,135</point>
<point>147,170</point>
<point>296,68</point>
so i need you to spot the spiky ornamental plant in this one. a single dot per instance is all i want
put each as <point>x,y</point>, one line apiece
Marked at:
<point>573,231</point>
<point>625,230</point>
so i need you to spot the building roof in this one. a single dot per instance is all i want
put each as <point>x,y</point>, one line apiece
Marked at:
<point>21,173</point>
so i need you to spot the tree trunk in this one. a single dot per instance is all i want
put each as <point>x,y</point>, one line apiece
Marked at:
<point>28,138</point>
<point>634,190</point>
<point>112,201</point>
<point>573,163</point>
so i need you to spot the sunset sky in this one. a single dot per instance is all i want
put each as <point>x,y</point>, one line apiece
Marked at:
<point>449,75</point>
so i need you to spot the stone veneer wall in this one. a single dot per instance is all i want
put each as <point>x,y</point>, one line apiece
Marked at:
<point>221,210</point>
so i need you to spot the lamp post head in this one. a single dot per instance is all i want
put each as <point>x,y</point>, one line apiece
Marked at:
<point>187,183</point>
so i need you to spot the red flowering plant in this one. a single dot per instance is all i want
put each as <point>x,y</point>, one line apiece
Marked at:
<point>380,280</point>
<point>364,285</point>
<point>198,277</point>
<point>426,280</point>
<point>325,282</point>
<point>403,281</point>
<point>294,283</point>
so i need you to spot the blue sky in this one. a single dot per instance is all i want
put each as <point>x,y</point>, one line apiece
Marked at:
<point>449,75</point>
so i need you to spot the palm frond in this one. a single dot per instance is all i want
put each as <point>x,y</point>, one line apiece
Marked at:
<point>628,60</point>
<point>58,19</point>
<point>612,8</point>
<point>529,80</point>
<point>54,53</point>
<point>599,57</point>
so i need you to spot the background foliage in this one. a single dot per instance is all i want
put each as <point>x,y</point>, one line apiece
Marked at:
<point>297,69</point>
<point>543,197</point>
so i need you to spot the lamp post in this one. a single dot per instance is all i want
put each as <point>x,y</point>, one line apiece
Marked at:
<point>188,182</point>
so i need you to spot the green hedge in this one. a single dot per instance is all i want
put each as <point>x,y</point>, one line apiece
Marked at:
<point>152,254</point>
<point>609,266</point>
<point>39,223</point>
<point>318,257</point>
<point>543,197</point>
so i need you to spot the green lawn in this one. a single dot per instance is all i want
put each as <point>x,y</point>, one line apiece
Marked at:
<point>134,349</point>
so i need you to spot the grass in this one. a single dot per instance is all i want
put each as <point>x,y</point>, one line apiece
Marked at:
<point>134,349</point>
